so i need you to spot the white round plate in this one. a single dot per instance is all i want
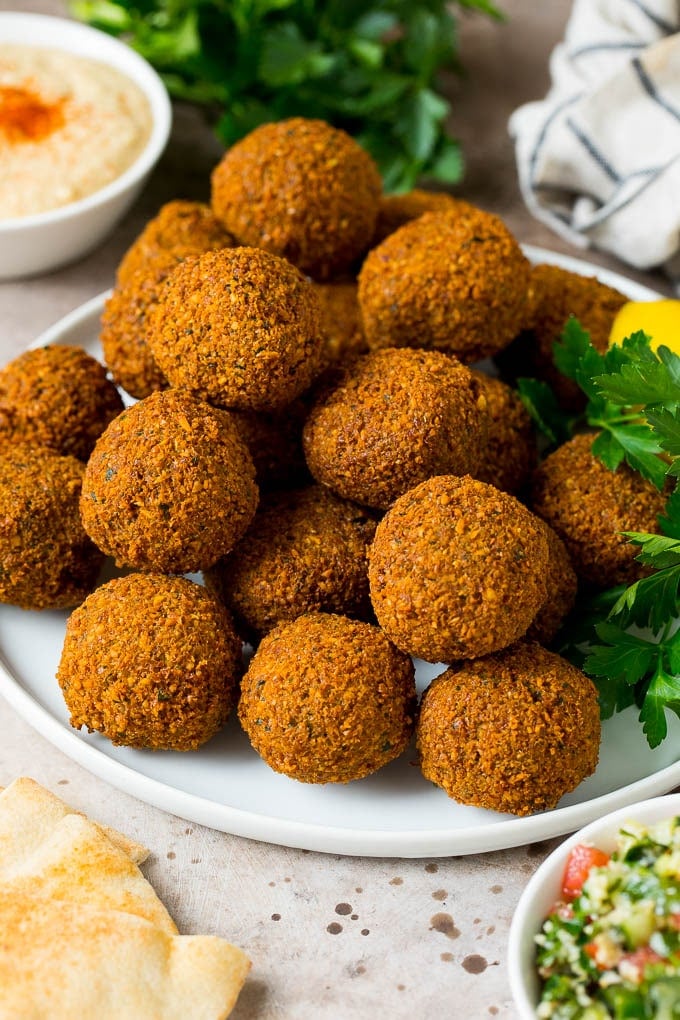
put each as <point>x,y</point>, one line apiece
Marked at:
<point>394,813</point>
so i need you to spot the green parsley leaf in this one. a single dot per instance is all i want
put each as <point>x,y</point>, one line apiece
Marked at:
<point>624,656</point>
<point>657,551</point>
<point>666,424</point>
<point>542,405</point>
<point>662,693</point>
<point>652,601</point>
<point>669,521</point>
<point>370,68</point>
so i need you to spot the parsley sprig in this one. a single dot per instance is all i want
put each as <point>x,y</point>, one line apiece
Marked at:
<point>371,68</point>
<point>632,397</point>
<point>627,638</point>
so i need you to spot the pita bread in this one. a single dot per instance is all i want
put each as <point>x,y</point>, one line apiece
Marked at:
<point>28,812</point>
<point>62,960</point>
<point>77,862</point>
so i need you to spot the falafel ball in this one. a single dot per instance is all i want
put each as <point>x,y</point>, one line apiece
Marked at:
<point>275,444</point>
<point>150,661</point>
<point>562,584</point>
<point>396,210</point>
<point>170,485</point>
<point>457,569</point>
<point>340,320</point>
<point>555,294</point>
<point>589,506</point>
<point>179,229</point>
<point>239,328</point>
<point>511,732</point>
<point>509,453</point>
<point>302,190</point>
<point>444,281</point>
<point>327,699</point>
<point>304,551</point>
<point>58,397</point>
<point>391,419</point>
<point>46,559</point>
<point>123,331</point>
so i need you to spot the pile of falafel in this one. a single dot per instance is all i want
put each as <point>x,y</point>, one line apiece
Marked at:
<point>313,433</point>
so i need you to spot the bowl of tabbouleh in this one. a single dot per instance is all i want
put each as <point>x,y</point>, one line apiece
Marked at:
<point>596,933</point>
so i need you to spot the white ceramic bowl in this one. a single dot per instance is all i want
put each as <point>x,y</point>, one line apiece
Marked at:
<point>543,890</point>
<point>36,244</point>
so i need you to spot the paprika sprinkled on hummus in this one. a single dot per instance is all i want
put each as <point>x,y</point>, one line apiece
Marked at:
<point>25,116</point>
<point>68,126</point>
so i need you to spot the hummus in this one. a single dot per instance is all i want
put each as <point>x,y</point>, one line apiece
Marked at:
<point>68,126</point>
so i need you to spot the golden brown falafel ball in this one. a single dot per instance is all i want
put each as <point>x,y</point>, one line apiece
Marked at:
<point>554,295</point>
<point>509,453</point>
<point>396,210</point>
<point>170,485</point>
<point>511,732</point>
<point>275,444</point>
<point>239,328</point>
<point>304,551</point>
<point>457,569</point>
<point>340,320</point>
<point>391,419</point>
<point>300,189</point>
<point>57,397</point>
<point>123,332</point>
<point>46,559</point>
<point>562,584</point>
<point>327,699</point>
<point>150,661</point>
<point>589,506</point>
<point>179,229</point>
<point>444,281</point>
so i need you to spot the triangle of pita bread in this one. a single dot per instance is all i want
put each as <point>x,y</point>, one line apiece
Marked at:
<point>62,960</point>
<point>28,812</point>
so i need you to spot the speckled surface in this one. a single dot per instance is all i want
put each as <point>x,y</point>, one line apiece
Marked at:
<point>331,938</point>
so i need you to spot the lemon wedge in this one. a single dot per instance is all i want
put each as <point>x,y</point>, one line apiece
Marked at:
<point>659,319</point>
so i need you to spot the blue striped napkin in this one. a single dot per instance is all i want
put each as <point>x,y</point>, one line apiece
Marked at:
<point>599,157</point>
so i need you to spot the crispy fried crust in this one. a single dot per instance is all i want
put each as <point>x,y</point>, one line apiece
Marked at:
<point>300,189</point>
<point>445,281</point>
<point>58,397</point>
<point>150,661</point>
<point>509,453</point>
<point>240,328</point>
<point>589,506</point>
<point>510,732</point>
<point>554,294</point>
<point>180,229</point>
<point>457,569</point>
<point>327,700</point>
<point>562,585</point>
<point>391,419</point>
<point>305,551</point>
<point>170,485</point>
<point>123,332</point>
<point>396,210</point>
<point>46,559</point>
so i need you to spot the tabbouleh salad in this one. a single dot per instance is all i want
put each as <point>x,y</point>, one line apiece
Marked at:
<point>611,946</point>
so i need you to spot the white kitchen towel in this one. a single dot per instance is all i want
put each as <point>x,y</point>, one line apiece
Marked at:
<point>599,157</point>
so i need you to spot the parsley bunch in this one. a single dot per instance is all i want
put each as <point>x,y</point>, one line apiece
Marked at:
<point>627,638</point>
<point>371,69</point>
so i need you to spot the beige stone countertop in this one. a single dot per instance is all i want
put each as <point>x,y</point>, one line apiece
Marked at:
<point>330,937</point>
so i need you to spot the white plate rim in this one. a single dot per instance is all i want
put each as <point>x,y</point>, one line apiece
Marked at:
<point>423,843</point>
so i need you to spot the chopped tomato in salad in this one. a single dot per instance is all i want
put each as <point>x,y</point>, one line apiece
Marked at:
<point>581,859</point>
<point>611,946</point>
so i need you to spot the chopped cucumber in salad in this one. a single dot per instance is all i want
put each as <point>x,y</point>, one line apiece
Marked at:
<point>611,946</point>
